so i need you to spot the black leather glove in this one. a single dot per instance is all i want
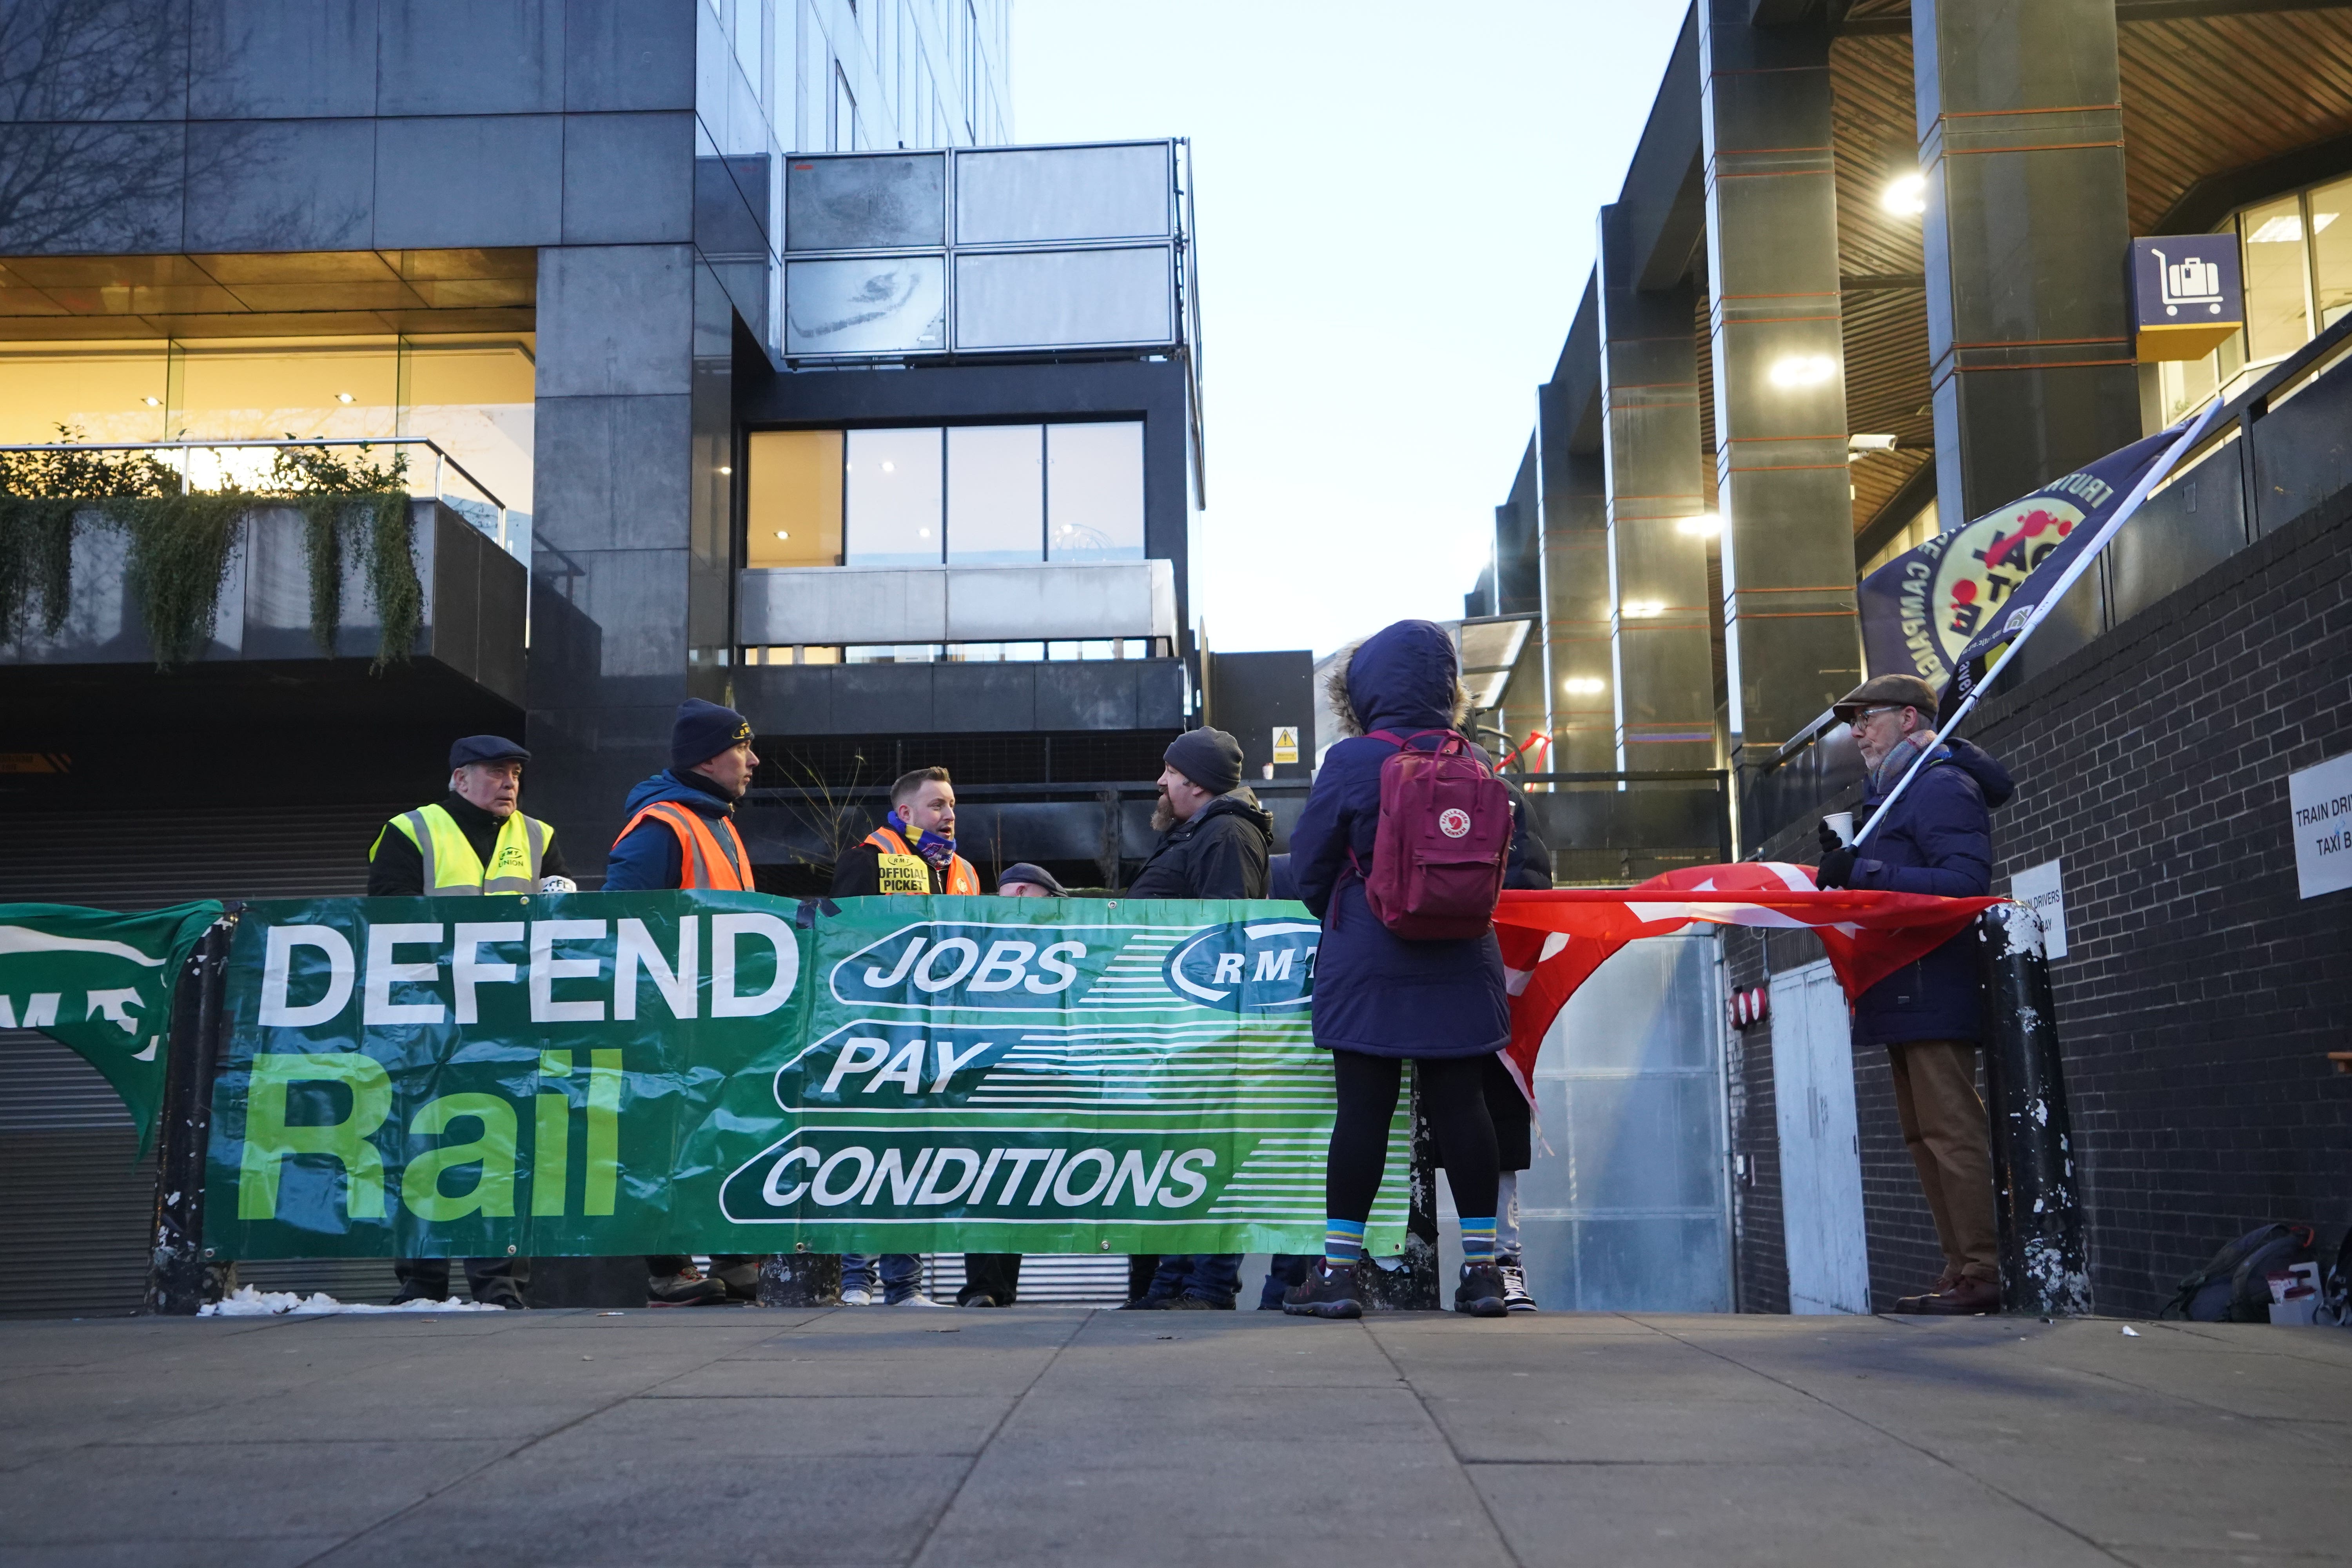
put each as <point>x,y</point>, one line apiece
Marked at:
<point>1831,843</point>
<point>1835,868</point>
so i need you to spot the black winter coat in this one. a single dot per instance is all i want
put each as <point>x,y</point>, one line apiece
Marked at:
<point>1377,993</point>
<point>1938,839</point>
<point>1219,854</point>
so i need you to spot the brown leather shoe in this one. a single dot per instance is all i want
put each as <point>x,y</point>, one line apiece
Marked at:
<point>1968,1298</point>
<point>1944,1282</point>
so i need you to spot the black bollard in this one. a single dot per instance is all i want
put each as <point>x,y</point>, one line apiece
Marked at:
<point>2044,1269</point>
<point>799,1280</point>
<point>178,1264</point>
<point>1412,1285</point>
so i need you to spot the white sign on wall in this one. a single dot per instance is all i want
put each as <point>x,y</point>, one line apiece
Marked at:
<point>2320,799</point>
<point>2040,888</point>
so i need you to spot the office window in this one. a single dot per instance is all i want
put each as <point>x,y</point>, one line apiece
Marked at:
<point>893,486</point>
<point>2331,250</point>
<point>844,113</point>
<point>1094,492</point>
<point>2276,320</point>
<point>793,499</point>
<point>996,495</point>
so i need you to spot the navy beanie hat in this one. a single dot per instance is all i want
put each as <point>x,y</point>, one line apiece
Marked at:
<point>702,731</point>
<point>1210,758</point>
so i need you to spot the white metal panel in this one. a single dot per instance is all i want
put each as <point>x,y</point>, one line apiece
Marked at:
<point>1821,1147</point>
<point>1065,298</point>
<point>831,605</point>
<point>1017,195</point>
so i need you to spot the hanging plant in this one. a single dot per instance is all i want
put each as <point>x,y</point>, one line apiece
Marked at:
<point>180,542</point>
<point>179,559</point>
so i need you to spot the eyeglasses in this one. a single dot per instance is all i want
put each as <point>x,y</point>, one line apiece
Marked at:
<point>1874,712</point>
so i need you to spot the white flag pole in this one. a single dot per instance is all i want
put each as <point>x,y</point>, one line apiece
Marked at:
<point>2156,475</point>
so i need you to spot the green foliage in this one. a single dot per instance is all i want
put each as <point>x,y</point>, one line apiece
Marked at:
<point>180,541</point>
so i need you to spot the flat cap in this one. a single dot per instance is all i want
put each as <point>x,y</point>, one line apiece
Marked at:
<point>486,749</point>
<point>1034,875</point>
<point>1887,692</point>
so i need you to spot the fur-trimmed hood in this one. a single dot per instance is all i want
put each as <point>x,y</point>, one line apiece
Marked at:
<point>1403,676</point>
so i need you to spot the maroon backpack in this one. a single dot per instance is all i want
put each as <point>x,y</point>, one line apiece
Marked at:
<point>1443,838</point>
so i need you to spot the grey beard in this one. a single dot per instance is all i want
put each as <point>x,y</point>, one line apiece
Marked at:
<point>1163,816</point>
<point>1889,769</point>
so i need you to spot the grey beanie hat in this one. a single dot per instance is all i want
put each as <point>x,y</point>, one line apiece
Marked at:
<point>1210,758</point>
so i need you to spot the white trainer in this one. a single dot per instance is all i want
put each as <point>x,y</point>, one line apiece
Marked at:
<point>855,1297</point>
<point>917,1299</point>
<point>1516,1296</point>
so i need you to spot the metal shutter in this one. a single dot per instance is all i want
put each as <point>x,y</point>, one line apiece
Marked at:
<point>74,1210</point>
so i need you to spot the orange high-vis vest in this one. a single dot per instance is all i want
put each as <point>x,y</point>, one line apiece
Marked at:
<point>702,862</point>
<point>911,873</point>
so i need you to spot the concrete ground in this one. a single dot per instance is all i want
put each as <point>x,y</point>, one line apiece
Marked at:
<point>1037,1436</point>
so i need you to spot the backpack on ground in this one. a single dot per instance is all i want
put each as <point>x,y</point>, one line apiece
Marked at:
<point>2234,1287</point>
<point>1444,836</point>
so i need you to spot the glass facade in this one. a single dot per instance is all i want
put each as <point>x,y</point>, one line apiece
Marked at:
<point>977,495</point>
<point>2297,254</point>
<point>779,77</point>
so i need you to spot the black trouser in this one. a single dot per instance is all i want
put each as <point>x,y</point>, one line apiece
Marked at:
<point>1454,1098</point>
<point>489,1279</point>
<point>995,1275</point>
<point>1141,1268</point>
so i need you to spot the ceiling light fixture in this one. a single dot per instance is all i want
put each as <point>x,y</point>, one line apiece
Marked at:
<point>782,534</point>
<point>343,397</point>
<point>153,402</point>
<point>726,470</point>
<point>1643,609</point>
<point>1583,684</point>
<point>1905,195</point>
<point>1706,525</point>
<point>1802,370</point>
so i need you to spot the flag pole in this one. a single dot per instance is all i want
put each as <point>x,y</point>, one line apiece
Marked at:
<point>2157,474</point>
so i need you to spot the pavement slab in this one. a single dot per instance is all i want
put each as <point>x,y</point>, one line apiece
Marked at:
<point>1047,1435</point>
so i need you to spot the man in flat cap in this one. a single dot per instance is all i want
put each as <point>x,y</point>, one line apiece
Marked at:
<point>1214,843</point>
<point>472,841</point>
<point>1937,839</point>
<point>681,834</point>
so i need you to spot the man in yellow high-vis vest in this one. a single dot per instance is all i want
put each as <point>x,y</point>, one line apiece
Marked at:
<point>472,840</point>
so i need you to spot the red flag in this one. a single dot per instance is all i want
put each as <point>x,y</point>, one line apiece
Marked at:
<point>1552,942</point>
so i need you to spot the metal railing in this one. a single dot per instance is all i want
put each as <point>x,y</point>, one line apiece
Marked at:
<point>443,464</point>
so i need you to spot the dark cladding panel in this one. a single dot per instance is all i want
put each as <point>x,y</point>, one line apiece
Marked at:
<point>1254,696</point>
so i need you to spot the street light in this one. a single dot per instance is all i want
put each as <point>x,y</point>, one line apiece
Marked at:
<point>1802,370</point>
<point>1905,195</point>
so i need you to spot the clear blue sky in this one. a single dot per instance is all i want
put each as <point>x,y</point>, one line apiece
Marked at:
<point>1396,215</point>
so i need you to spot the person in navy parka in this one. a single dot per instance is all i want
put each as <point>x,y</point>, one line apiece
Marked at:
<point>1379,999</point>
<point>1936,838</point>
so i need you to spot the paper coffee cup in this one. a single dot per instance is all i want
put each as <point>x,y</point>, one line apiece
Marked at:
<point>1842,824</point>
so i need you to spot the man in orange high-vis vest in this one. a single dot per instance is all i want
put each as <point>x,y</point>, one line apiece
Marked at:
<point>912,853</point>
<point>681,834</point>
<point>914,849</point>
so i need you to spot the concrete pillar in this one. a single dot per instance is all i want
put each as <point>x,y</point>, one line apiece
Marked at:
<point>2020,138</point>
<point>611,542</point>
<point>1663,675</point>
<point>1791,640</point>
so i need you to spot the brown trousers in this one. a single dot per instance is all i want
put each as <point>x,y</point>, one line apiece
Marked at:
<point>1943,1126</point>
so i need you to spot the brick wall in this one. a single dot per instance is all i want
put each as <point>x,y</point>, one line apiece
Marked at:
<point>2199,994</point>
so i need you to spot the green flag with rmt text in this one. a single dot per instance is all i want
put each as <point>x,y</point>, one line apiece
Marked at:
<point>608,1074</point>
<point>101,984</point>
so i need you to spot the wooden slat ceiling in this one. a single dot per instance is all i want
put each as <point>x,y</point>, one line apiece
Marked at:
<point>2201,95</point>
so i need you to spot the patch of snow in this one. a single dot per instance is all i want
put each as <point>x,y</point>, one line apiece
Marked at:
<point>252,1302</point>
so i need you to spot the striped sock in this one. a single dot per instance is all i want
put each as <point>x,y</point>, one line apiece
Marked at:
<point>1343,1239</point>
<point>1478,1240</point>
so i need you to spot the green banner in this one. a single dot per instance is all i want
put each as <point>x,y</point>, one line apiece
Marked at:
<point>608,1074</point>
<point>101,984</point>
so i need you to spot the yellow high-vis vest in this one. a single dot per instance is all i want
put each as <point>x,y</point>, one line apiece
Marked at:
<point>451,866</point>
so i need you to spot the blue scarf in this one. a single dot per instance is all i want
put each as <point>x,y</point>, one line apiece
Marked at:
<point>939,851</point>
